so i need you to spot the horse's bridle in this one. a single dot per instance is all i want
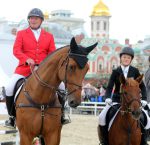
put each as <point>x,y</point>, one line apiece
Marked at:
<point>124,95</point>
<point>44,84</point>
<point>66,61</point>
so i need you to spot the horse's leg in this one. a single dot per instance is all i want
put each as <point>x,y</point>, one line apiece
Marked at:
<point>53,138</point>
<point>25,139</point>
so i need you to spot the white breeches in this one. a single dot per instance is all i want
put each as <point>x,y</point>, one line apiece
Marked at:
<point>9,88</point>
<point>102,115</point>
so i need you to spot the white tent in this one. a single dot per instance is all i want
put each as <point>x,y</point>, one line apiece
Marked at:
<point>3,77</point>
<point>3,80</point>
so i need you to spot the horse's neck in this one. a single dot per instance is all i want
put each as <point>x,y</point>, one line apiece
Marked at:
<point>48,73</point>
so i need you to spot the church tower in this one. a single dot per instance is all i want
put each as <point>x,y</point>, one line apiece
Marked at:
<point>100,21</point>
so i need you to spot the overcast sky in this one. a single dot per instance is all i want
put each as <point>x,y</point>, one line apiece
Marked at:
<point>130,18</point>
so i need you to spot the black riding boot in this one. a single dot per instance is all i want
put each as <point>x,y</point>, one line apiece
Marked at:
<point>102,135</point>
<point>11,111</point>
<point>144,137</point>
<point>62,102</point>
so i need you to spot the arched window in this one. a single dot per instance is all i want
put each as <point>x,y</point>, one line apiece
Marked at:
<point>92,26</point>
<point>113,67</point>
<point>98,25</point>
<point>100,67</point>
<point>105,25</point>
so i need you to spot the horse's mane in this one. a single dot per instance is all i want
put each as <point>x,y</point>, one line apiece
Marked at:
<point>53,53</point>
<point>132,82</point>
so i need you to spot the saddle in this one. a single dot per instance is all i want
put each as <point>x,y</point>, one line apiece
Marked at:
<point>112,111</point>
<point>110,114</point>
<point>18,84</point>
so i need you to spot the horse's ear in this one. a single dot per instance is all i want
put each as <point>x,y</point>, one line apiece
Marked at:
<point>122,79</point>
<point>90,48</point>
<point>139,78</point>
<point>73,43</point>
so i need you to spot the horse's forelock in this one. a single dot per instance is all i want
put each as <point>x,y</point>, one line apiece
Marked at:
<point>132,82</point>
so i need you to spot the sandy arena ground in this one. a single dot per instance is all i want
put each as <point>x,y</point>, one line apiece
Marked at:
<point>81,131</point>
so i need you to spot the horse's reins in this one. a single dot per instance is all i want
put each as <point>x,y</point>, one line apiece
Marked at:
<point>42,83</point>
<point>35,74</point>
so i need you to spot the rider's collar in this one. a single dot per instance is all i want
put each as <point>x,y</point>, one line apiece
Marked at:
<point>37,30</point>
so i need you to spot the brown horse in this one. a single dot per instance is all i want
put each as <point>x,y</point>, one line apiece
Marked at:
<point>38,111</point>
<point>125,129</point>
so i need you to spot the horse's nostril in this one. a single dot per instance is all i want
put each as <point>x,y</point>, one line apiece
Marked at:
<point>73,104</point>
<point>136,114</point>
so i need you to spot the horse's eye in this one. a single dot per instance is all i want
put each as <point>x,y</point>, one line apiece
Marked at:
<point>71,68</point>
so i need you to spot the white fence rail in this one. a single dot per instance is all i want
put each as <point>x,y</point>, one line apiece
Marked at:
<point>93,107</point>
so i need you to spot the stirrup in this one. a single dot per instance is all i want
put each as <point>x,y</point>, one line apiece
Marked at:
<point>10,123</point>
<point>65,121</point>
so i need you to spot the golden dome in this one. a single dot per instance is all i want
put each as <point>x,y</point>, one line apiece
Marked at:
<point>46,15</point>
<point>100,9</point>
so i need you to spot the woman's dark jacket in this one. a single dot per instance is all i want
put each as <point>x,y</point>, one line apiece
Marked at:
<point>114,80</point>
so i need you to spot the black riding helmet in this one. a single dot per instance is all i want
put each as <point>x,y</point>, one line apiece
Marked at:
<point>128,51</point>
<point>36,12</point>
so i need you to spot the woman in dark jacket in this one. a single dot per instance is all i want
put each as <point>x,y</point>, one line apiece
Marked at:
<point>126,57</point>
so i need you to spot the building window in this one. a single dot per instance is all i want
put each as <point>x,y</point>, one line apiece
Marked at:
<point>68,28</point>
<point>98,26</point>
<point>92,26</point>
<point>100,67</point>
<point>105,25</point>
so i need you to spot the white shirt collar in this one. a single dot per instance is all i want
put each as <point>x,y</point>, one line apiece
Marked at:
<point>37,30</point>
<point>125,70</point>
<point>36,33</point>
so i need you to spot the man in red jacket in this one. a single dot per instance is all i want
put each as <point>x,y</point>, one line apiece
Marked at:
<point>31,46</point>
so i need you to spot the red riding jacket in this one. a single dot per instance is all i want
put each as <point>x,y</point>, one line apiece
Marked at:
<point>26,46</point>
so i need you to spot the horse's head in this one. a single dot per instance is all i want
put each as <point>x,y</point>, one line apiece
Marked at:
<point>72,70</point>
<point>131,95</point>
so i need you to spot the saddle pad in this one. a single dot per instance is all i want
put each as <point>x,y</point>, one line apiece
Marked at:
<point>112,120</point>
<point>148,119</point>
<point>17,92</point>
<point>147,126</point>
